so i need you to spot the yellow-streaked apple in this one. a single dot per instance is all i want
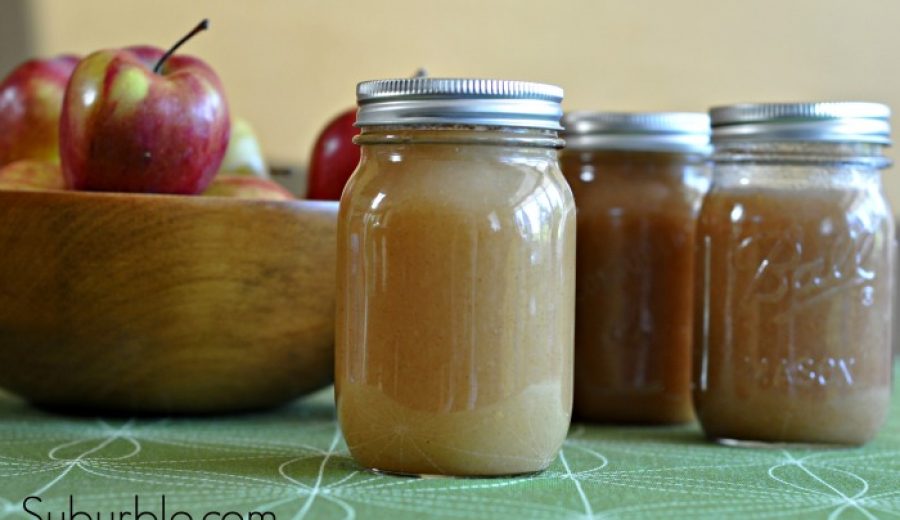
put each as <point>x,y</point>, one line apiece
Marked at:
<point>243,187</point>
<point>31,175</point>
<point>244,155</point>
<point>30,101</point>
<point>142,120</point>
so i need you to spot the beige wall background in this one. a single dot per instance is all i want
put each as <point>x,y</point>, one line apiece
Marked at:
<point>288,66</point>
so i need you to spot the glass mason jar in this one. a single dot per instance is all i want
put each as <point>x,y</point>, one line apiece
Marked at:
<point>456,279</point>
<point>795,264</point>
<point>638,180</point>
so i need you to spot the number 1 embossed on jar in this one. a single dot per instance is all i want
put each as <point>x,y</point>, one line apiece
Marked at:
<point>456,280</point>
<point>795,263</point>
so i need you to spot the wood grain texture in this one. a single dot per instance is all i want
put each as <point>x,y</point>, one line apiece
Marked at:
<point>164,304</point>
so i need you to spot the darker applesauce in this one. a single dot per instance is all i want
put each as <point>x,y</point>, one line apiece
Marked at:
<point>793,310</point>
<point>455,304</point>
<point>636,220</point>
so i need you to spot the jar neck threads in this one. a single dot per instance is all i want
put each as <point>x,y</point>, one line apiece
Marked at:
<point>810,153</point>
<point>459,135</point>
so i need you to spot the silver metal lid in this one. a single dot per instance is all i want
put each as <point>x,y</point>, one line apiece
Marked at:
<point>441,101</point>
<point>686,132</point>
<point>828,121</point>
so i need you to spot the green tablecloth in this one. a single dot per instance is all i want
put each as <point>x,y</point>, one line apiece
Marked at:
<point>293,462</point>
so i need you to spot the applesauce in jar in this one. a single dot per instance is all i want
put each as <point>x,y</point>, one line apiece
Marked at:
<point>795,250</point>
<point>456,275</point>
<point>638,179</point>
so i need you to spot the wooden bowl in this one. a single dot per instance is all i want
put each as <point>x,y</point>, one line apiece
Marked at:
<point>164,304</point>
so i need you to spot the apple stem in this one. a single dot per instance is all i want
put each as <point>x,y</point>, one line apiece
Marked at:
<point>202,26</point>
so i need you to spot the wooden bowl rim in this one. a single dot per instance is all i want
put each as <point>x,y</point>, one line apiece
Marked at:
<point>196,201</point>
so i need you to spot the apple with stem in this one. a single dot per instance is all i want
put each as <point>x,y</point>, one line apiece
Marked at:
<point>30,102</point>
<point>142,120</point>
<point>334,156</point>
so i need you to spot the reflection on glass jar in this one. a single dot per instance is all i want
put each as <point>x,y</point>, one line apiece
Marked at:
<point>638,179</point>
<point>455,289</point>
<point>795,260</point>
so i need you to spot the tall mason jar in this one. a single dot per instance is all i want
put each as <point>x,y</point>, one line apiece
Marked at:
<point>795,265</point>
<point>638,180</point>
<point>456,279</point>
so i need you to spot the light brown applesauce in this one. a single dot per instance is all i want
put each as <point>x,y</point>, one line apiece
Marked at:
<point>793,310</point>
<point>455,302</point>
<point>637,214</point>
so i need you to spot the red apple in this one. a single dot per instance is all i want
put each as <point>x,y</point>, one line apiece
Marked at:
<point>30,102</point>
<point>244,187</point>
<point>31,175</point>
<point>141,120</point>
<point>334,157</point>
